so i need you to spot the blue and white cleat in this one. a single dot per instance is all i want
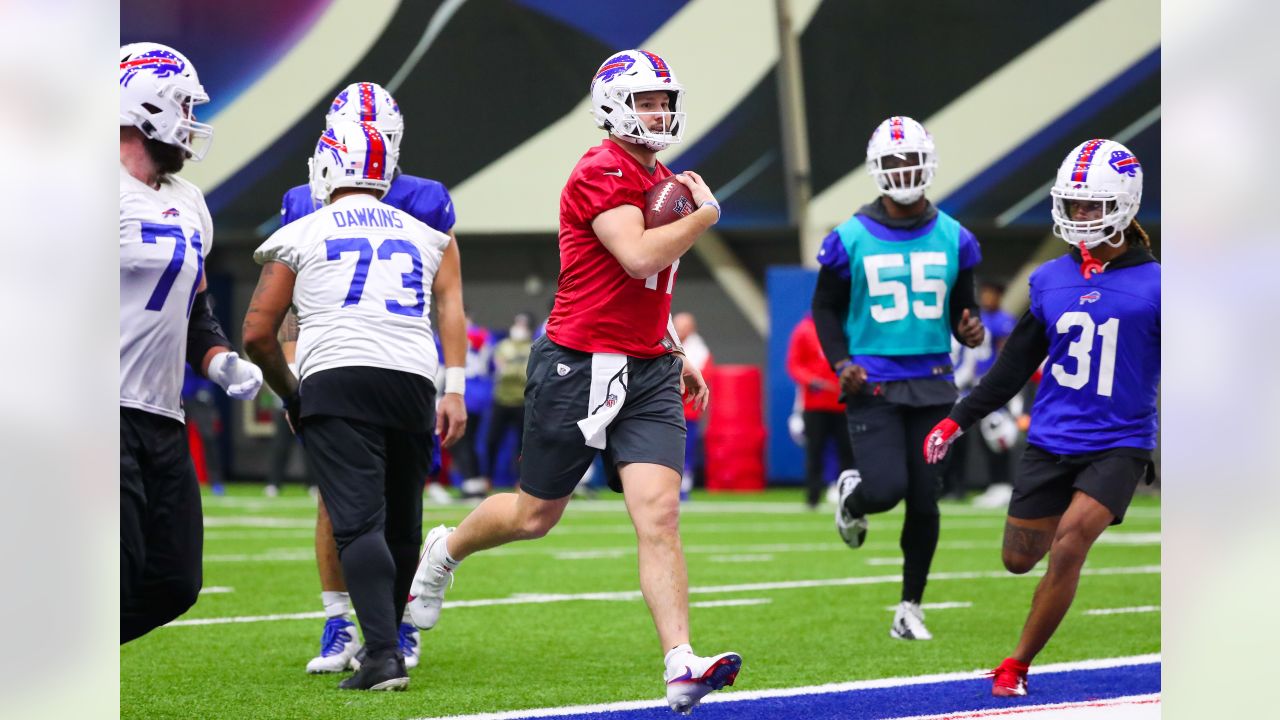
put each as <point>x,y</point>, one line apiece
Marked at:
<point>690,678</point>
<point>338,645</point>
<point>410,645</point>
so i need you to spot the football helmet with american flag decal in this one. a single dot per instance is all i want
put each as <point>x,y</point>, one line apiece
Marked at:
<point>613,91</point>
<point>901,159</point>
<point>1096,193</point>
<point>371,103</point>
<point>351,155</point>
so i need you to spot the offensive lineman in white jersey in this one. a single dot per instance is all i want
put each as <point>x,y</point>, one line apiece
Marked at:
<point>359,274</point>
<point>165,321</point>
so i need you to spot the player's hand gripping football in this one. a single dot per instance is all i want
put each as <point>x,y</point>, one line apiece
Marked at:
<point>698,189</point>
<point>939,439</point>
<point>451,419</point>
<point>239,378</point>
<point>693,385</point>
<point>970,331</point>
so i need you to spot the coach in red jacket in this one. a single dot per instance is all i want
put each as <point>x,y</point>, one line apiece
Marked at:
<point>824,417</point>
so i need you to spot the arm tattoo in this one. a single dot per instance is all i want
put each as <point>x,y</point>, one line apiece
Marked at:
<point>1021,540</point>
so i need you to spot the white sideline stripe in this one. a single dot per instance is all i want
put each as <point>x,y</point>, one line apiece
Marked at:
<point>731,603</point>
<point>216,590</point>
<point>1124,610</point>
<point>540,598</point>
<point>936,606</point>
<point>740,558</point>
<point>1046,711</point>
<point>1131,538</point>
<point>809,690</point>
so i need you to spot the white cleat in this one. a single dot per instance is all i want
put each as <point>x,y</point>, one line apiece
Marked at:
<point>690,678</point>
<point>852,528</point>
<point>908,623</point>
<point>338,646</point>
<point>430,581</point>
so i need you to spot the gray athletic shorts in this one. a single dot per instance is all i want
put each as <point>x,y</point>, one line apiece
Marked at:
<point>649,429</point>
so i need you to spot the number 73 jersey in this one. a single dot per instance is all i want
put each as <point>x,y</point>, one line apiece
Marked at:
<point>363,287</point>
<point>1102,375</point>
<point>165,235</point>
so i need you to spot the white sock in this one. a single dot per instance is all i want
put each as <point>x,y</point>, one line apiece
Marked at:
<point>406,617</point>
<point>446,558</point>
<point>336,604</point>
<point>676,652</point>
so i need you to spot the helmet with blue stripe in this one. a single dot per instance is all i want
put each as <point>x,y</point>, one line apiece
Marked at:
<point>371,103</point>
<point>1096,194</point>
<point>159,90</point>
<point>351,155</point>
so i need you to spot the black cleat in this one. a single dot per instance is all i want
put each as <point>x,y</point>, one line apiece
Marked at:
<point>385,673</point>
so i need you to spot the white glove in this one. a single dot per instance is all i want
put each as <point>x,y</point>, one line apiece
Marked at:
<point>239,378</point>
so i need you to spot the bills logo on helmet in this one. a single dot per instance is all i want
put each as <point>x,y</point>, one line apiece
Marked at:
<point>171,212</point>
<point>338,102</point>
<point>1081,171</point>
<point>614,67</point>
<point>1090,297</point>
<point>1124,163</point>
<point>329,141</point>
<point>660,67</point>
<point>161,63</point>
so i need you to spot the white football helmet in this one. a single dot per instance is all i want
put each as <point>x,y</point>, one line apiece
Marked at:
<point>351,155</point>
<point>999,430</point>
<point>158,90</point>
<point>371,103</point>
<point>615,85</point>
<point>1100,171</point>
<point>898,137</point>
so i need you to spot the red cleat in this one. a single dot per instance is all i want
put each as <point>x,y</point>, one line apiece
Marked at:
<point>1010,679</point>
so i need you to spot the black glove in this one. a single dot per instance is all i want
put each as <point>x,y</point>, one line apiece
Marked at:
<point>293,411</point>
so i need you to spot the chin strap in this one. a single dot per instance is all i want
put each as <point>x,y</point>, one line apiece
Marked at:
<point>1089,265</point>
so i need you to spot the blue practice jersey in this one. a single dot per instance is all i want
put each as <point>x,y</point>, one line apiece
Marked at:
<point>1103,369</point>
<point>426,200</point>
<point>899,323</point>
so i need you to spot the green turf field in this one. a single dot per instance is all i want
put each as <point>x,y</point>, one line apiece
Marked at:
<point>525,654</point>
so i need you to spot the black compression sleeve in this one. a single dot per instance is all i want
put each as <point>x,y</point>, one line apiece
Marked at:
<point>1023,352</point>
<point>963,297</point>
<point>203,332</point>
<point>830,312</point>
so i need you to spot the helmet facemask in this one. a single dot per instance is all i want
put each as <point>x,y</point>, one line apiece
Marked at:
<point>628,123</point>
<point>904,174</point>
<point>1087,218</point>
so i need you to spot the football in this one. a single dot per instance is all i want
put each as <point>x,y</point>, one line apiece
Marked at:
<point>667,202</point>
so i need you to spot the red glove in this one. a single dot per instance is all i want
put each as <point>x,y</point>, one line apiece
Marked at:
<point>939,439</point>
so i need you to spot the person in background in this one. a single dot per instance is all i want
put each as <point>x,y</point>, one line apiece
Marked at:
<point>511,360</point>
<point>822,413</point>
<point>699,355</point>
<point>466,453</point>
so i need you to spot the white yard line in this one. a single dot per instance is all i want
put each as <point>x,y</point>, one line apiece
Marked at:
<point>731,603</point>
<point>1123,610</point>
<point>1132,707</point>
<point>631,595</point>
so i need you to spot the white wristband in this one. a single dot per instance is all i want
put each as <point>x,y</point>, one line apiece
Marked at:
<point>455,380</point>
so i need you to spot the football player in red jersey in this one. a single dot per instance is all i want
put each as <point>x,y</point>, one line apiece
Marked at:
<point>609,373</point>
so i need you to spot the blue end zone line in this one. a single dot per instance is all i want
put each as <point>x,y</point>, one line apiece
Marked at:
<point>922,695</point>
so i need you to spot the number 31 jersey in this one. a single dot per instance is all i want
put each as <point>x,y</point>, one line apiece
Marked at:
<point>165,235</point>
<point>363,287</point>
<point>1102,375</point>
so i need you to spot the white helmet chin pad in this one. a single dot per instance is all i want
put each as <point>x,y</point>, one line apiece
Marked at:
<point>1102,171</point>
<point>614,87</point>
<point>900,137</point>
<point>159,90</point>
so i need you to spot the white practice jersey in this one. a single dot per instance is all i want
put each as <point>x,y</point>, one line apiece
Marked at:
<point>165,236</point>
<point>363,288</point>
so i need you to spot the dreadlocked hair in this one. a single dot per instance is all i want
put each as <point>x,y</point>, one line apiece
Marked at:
<point>1135,234</point>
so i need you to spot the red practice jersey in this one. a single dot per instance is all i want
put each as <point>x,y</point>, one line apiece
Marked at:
<point>599,308</point>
